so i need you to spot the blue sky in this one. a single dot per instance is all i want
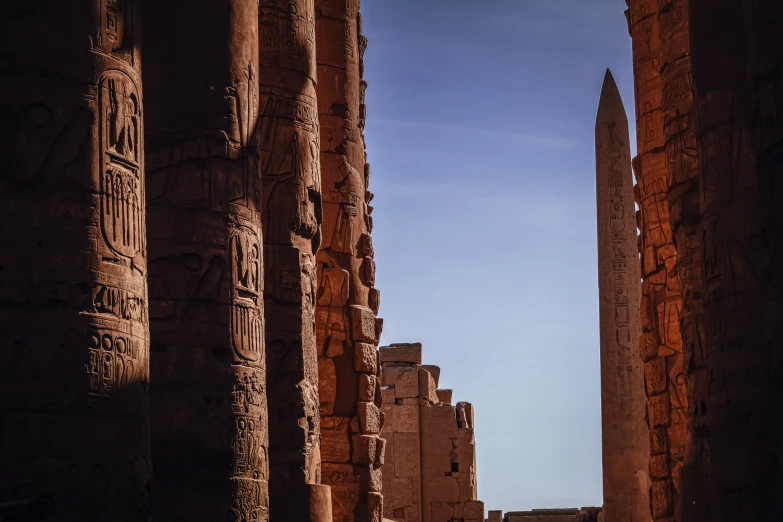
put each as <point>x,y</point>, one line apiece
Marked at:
<point>480,135</point>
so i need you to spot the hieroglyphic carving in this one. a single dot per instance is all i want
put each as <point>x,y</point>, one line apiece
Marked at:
<point>122,190</point>
<point>247,322</point>
<point>625,452</point>
<point>115,360</point>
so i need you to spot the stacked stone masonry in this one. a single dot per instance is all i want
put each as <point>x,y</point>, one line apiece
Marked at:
<point>661,339</point>
<point>430,468</point>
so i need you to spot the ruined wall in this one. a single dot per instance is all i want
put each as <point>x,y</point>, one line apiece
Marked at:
<point>347,329</point>
<point>741,411</point>
<point>556,515</point>
<point>661,341</point>
<point>74,348</point>
<point>430,467</point>
<point>208,403</point>
<point>288,143</point>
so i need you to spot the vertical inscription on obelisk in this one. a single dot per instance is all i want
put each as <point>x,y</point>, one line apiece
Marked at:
<point>625,451</point>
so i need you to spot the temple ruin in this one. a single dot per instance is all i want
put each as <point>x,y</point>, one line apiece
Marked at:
<point>189,321</point>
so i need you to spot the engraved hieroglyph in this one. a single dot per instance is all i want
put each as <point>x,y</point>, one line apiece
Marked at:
<point>74,349</point>
<point>208,389</point>
<point>625,447</point>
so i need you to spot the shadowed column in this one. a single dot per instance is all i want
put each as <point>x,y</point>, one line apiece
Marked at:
<point>208,400</point>
<point>738,403</point>
<point>290,167</point>
<point>624,434</point>
<point>74,357</point>
<point>347,327</point>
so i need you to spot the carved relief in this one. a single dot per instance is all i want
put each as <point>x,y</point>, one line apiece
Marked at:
<point>122,193</point>
<point>115,360</point>
<point>247,323</point>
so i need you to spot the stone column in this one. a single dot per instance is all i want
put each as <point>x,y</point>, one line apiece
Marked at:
<point>624,435</point>
<point>661,340</point>
<point>291,179</point>
<point>208,401</point>
<point>682,176</point>
<point>739,401</point>
<point>347,328</point>
<point>763,22</point>
<point>74,349</point>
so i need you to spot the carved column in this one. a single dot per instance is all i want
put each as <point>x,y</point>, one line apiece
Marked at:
<point>74,348</point>
<point>291,179</point>
<point>661,341</point>
<point>683,199</point>
<point>739,400</point>
<point>208,401</point>
<point>347,327</point>
<point>764,19</point>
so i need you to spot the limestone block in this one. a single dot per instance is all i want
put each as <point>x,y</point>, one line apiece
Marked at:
<point>434,371</point>
<point>380,454</point>
<point>655,376</point>
<point>365,359</point>
<point>658,410</point>
<point>444,396</point>
<point>659,442</point>
<point>401,353</point>
<point>390,372</point>
<point>495,516</point>
<point>659,467</point>
<point>363,324</point>
<point>370,478</point>
<point>660,498</point>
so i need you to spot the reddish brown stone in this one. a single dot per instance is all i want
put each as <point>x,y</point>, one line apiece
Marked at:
<point>74,341</point>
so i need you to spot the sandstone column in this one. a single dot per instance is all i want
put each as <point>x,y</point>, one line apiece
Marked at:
<point>625,446</point>
<point>738,403</point>
<point>288,148</point>
<point>208,400</point>
<point>661,340</point>
<point>347,328</point>
<point>683,202</point>
<point>74,357</point>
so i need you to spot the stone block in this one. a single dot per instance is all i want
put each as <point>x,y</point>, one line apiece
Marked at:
<point>427,386</point>
<point>363,324</point>
<point>390,372</point>
<point>364,449</point>
<point>474,509</point>
<point>380,453</point>
<point>407,384</point>
<point>369,418</point>
<point>658,410</point>
<point>659,442</point>
<point>365,359</point>
<point>366,387</point>
<point>401,353</point>
<point>659,467</point>
<point>335,444</point>
<point>327,385</point>
<point>495,516</point>
<point>655,376</point>
<point>434,371</point>
<point>661,499</point>
<point>370,478</point>
<point>374,507</point>
<point>406,455</point>
<point>405,419</point>
<point>444,396</point>
<point>388,395</point>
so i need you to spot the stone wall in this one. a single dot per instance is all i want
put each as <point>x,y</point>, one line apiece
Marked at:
<point>430,468</point>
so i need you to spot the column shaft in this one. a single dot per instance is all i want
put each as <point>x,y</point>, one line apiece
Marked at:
<point>74,349</point>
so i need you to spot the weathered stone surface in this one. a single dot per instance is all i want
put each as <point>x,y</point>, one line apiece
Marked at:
<point>444,396</point>
<point>74,330</point>
<point>401,353</point>
<point>625,449</point>
<point>664,170</point>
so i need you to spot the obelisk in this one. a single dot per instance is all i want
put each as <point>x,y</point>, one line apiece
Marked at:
<point>624,433</point>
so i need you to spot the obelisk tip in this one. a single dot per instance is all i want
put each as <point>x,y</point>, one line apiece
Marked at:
<point>610,106</point>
